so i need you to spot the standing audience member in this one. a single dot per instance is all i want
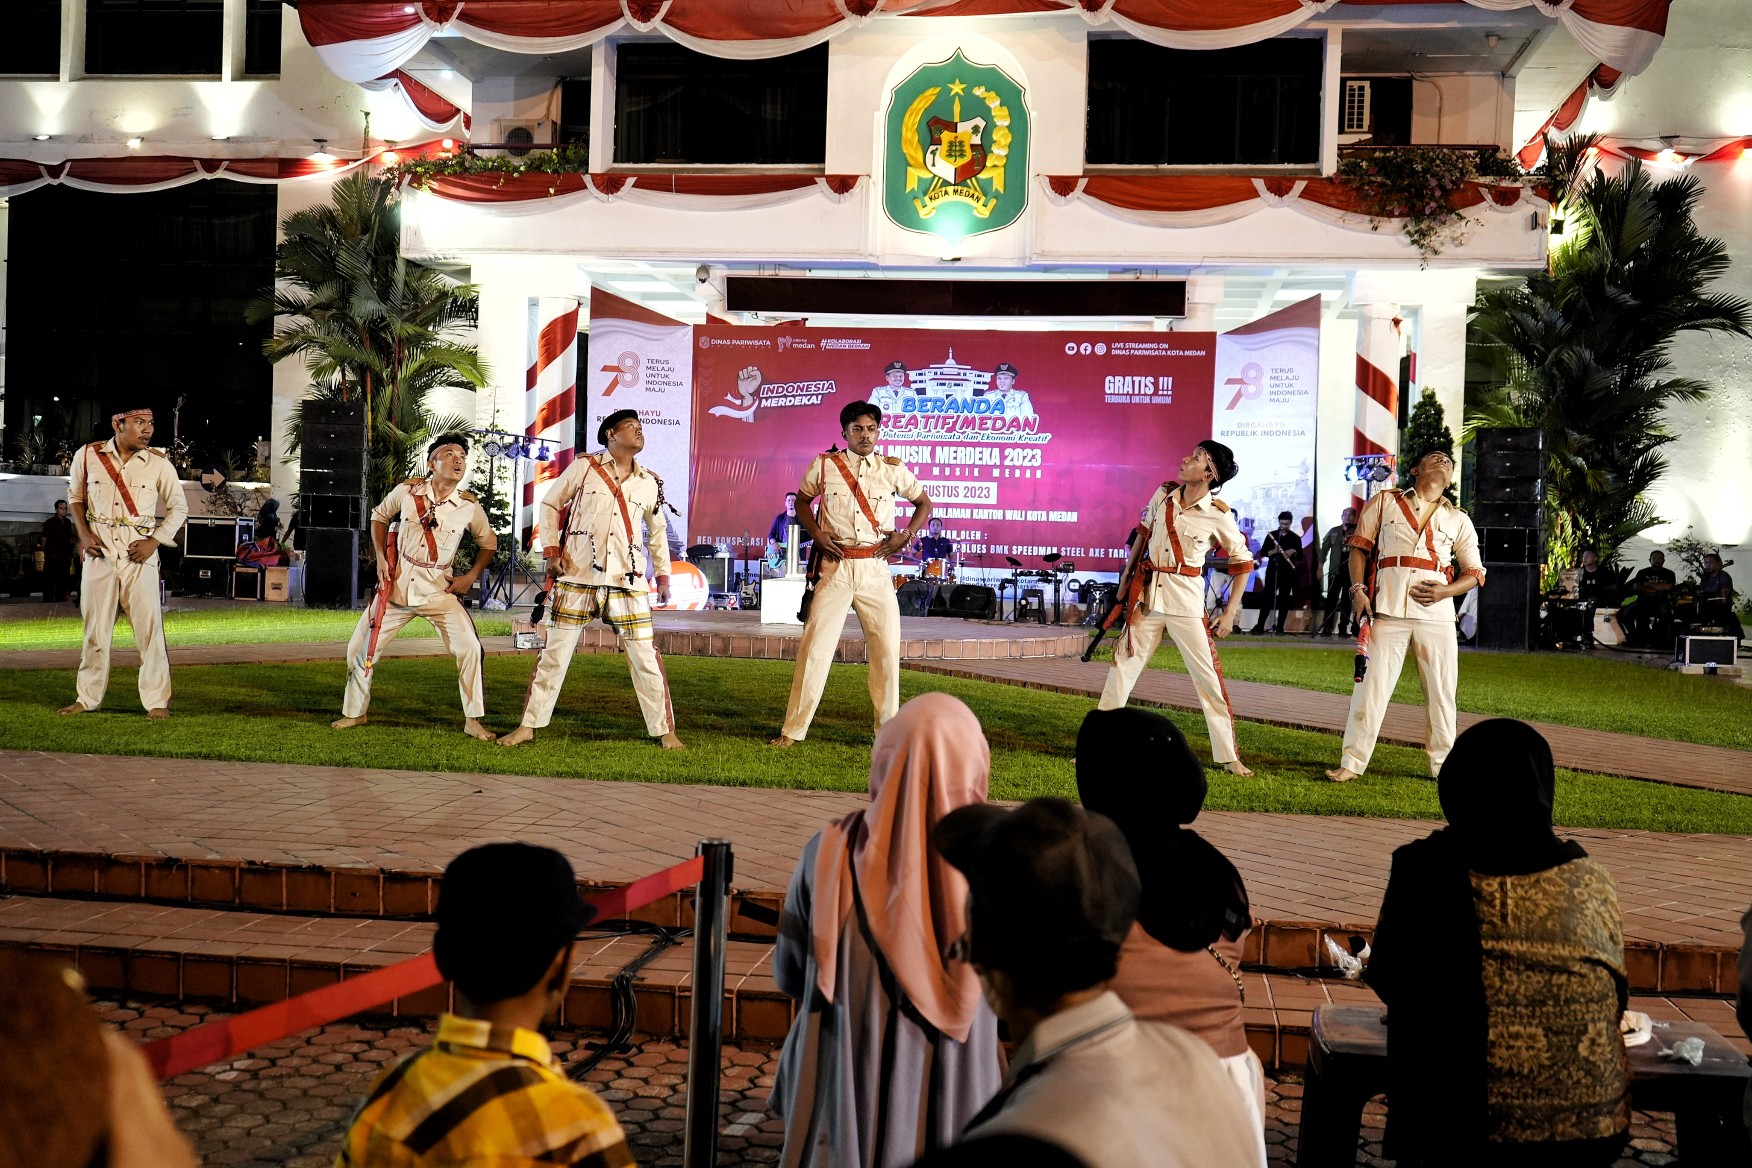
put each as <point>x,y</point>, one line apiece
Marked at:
<point>1181,962</point>
<point>1500,955</point>
<point>489,1090</point>
<point>73,1092</point>
<point>57,540</point>
<point>1335,554</point>
<point>893,1050</point>
<point>1052,896</point>
<point>1282,551</point>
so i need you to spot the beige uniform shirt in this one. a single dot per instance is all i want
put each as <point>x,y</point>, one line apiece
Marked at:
<point>1406,552</point>
<point>425,564</point>
<point>152,484</point>
<point>598,551</point>
<point>880,477</point>
<point>1179,537</point>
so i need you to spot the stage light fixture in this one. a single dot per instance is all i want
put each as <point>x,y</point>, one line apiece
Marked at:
<point>135,142</point>
<point>41,137</point>
<point>492,448</point>
<point>1380,473</point>
<point>321,153</point>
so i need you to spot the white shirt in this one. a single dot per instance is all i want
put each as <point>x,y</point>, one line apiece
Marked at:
<point>1189,534</point>
<point>880,477</point>
<point>1389,529</point>
<point>426,544</point>
<point>152,483</point>
<point>594,539</point>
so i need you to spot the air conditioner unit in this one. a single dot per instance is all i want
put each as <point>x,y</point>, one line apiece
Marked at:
<point>521,135</point>
<point>1358,114</point>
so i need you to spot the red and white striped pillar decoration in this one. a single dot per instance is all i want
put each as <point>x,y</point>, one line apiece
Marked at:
<point>1377,418</point>
<point>551,398</point>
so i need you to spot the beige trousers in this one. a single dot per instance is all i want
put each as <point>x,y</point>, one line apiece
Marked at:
<point>455,628</point>
<point>650,683</point>
<point>1193,638</point>
<point>107,586</point>
<point>867,587</point>
<point>1438,667</point>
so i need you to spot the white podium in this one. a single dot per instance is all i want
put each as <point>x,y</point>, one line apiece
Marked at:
<point>779,599</point>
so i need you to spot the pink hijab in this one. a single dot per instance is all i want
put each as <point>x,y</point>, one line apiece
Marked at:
<point>929,759</point>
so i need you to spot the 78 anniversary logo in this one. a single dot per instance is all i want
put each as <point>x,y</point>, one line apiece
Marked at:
<point>957,150</point>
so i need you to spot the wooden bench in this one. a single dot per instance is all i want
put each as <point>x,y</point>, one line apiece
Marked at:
<point>1347,1066</point>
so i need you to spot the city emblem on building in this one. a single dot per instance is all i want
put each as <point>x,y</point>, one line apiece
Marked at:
<point>956,138</point>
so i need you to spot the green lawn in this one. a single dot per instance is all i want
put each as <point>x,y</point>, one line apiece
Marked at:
<point>727,709</point>
<point>226,626</point>
<point>1536,687</point>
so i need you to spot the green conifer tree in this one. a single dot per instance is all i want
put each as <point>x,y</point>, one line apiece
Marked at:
<point>1428,427</point>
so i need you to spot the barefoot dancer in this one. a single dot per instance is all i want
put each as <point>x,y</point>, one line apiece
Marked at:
<point>595,569</point>
<point>115,490</point>
<point>414,579</point>
<point>1180,523</point>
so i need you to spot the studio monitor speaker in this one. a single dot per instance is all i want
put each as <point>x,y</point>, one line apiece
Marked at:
<point>973,601</point>
<point>331,567</point>
<point>1506,606</point>
<point>1502,439</point>
<point>1525,513</point>
<point>331,449</point>
<point>1511,545</point>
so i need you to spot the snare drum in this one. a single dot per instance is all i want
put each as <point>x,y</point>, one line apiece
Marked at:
<point>933,569</point>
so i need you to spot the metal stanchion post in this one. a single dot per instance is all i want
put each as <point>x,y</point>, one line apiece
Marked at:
<point>705,1056</point>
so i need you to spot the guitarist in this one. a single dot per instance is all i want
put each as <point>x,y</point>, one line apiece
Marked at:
<point>854,536</point>
<point>1164,591</point>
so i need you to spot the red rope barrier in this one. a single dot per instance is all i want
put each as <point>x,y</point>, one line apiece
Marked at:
<point>225,1038</point>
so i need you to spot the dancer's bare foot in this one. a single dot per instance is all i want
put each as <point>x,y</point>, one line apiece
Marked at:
<point>347,723</point>
<point>1237,768</point>
<point>517,737</point>
<point>1341,775</point>
<point>75,708</point>
<point>783,742</point>
<point>158,713</point>
<point>671,742</point>
<point>473,728</point>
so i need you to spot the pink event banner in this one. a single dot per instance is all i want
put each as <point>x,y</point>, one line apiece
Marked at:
<point>1027,443</point>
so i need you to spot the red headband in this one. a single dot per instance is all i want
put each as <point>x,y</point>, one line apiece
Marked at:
<point>117,419</point>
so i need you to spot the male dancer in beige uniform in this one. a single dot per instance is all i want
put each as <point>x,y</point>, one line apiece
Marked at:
<point>414,579</point>
<point>114,491</point>
<point>1403,581</point>
<point>595,569</point>
<point>855,535</point>
<point>1180,523</point>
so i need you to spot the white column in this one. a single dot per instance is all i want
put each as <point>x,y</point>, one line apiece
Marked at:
<point>1441,357</point>
<point>1376,427</point>
<point>1203,293</point>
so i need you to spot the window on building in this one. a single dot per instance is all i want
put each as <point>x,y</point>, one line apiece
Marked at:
<point>1253,106</point>
<point>1379,107</point>
<point>575,111</point>
<point>32,43</point>
<point>675,106</point>
<point>261,38</point>
<point>154,37</point>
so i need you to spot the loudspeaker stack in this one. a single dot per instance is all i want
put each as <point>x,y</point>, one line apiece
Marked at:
<point>331,501</point>
<point>1509,512</point>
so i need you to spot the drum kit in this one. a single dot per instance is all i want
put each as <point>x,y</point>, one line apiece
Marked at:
<point>932,574</point>
<point>1057,572</point>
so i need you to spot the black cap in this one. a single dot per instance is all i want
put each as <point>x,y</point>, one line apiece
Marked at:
<point>1004,367</point>
<point>1222,460</point>
<point>611,422</point>
<point>504,910</point>
<point>451,438</point>
<point>1053,889</point>
<point>894,367</point>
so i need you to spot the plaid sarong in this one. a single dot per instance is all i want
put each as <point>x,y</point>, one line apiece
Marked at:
<point>573,606</point>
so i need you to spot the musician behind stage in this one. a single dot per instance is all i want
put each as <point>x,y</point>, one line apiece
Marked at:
<point>935,545</point>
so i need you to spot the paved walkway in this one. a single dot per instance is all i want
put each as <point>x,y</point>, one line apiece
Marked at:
<point>1675,889</point>
<point>1681,764</point>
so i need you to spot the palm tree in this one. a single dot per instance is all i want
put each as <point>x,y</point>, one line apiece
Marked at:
<point>1586,350</point>
<point>370,325</point>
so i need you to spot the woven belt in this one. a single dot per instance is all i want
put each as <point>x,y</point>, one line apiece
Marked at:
<point>861,553</point>
<point>407,559</point>
<point>1173,569</point>
<point>1414,562</point>
<point>140,525</point>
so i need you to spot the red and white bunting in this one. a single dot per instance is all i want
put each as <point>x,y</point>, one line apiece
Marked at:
<point>550,399</point>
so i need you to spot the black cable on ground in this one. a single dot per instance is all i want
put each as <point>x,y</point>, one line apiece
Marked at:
<point>621,997</point>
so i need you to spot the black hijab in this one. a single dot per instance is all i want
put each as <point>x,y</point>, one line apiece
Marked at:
<point>1135,767</point>
<point>1497,788</point>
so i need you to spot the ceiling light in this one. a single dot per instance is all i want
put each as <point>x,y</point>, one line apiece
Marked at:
<point>41,137</point>
<point>447,74</point>
<point>221,137</point>
<point>389,158</point>
<point>135,142</point>
<point>321,154</point>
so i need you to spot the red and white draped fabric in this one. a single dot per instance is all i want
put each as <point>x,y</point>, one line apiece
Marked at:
<point>1377,417</point>
<point>434,110</point>
<point>537,192</point>
<point>550,399</point>
<point>360,41</point>
<point>157,172</point>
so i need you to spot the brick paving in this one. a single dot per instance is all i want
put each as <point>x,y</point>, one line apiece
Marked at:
<point>1681,764</point>
<point>288,1103</point>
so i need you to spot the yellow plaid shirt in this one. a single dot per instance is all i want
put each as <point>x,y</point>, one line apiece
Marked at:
<point>482,1095</point>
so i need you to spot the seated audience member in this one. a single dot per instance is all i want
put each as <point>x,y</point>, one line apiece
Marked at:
<point>1654,597</point>
<point>1499,952</point>
<point>1181,962</point>
<point>893,1050</point>
<point>1052,896</point>
<point>489,1090</point>
<point>73,1092</point>
<point>1715,597</point>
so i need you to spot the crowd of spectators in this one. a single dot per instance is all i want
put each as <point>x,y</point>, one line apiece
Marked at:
<point>1054,984</point>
